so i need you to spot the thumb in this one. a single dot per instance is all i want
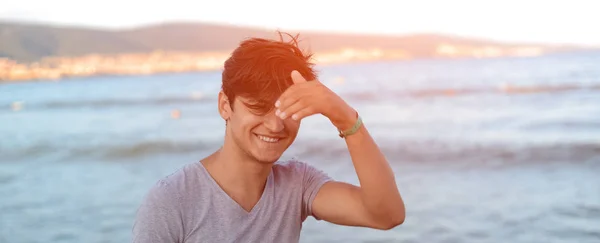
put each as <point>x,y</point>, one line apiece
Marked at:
<point>297,77</point>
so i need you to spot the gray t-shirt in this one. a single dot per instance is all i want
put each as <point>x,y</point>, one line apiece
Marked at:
<point>189,206</point>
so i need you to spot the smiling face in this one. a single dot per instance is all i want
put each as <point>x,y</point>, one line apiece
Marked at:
<point>261,137</point>
<point>253,78</point>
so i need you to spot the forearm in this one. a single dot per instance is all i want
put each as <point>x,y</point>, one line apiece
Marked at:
<point>379,191</point>
<point>378,188</point>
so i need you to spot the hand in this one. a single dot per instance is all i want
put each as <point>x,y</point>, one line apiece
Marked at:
<point>306,98</point>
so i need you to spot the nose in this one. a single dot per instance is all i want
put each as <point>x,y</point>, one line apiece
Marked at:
<point>273,123</point>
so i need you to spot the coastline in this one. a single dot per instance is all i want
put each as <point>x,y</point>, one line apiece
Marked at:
<point>58,68</point>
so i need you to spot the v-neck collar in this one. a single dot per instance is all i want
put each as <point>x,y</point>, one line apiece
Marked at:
<point>267,190</point>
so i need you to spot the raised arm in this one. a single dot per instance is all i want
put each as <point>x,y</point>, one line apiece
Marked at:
<point>377,202</point>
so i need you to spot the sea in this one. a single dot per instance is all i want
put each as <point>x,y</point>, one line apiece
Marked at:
<point>484,150</point>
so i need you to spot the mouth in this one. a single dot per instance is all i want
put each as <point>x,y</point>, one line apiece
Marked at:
<point>268,139</point>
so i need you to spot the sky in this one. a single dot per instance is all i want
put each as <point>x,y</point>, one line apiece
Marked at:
<point>549,21</point>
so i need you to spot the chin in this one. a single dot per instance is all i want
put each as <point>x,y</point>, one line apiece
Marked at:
<point>265,160</point>
<point>265,157</point>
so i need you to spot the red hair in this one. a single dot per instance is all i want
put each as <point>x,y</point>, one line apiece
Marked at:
<point>259,70</point>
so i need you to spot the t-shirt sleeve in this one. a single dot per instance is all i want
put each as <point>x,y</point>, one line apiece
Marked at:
<point>158,219</point>
<point>313,180</point>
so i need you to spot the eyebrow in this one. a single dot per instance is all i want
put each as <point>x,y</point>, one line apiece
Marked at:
<point>261,106</point>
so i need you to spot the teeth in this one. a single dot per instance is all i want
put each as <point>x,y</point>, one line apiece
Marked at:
<point>268,139</point>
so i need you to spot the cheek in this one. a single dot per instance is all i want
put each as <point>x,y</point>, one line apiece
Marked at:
<point>248,122</point>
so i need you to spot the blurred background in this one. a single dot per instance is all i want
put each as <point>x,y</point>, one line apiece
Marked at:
<point>488,111</point>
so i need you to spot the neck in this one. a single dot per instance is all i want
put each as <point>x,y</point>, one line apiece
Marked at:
<point>237,173</point>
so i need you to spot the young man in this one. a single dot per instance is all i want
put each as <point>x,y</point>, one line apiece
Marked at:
<point>242,193</point>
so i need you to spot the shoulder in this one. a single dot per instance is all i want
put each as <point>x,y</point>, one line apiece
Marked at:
<point>177,183</point>
<point>295,169</point>
<point>161,216</point>
<point>292,166</point>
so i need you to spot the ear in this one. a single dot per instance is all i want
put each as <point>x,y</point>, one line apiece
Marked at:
<point>224,106</point>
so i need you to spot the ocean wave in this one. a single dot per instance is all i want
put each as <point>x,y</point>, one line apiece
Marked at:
<point>105,151</point>
<point>505,89</point>
<point>331,152</point>
<point>465,153</point>
<point>107,103</point>
<point>358,95</point>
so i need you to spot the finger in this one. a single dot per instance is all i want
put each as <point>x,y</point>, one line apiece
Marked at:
<point>286,99</point>
<point>302,113</point>
<point>291,95</point>
<point>292,109</point>
<point>291,104</point>
<point>297,77</point>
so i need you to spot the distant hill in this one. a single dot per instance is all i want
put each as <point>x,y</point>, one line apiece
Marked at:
<point>25,42</point>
